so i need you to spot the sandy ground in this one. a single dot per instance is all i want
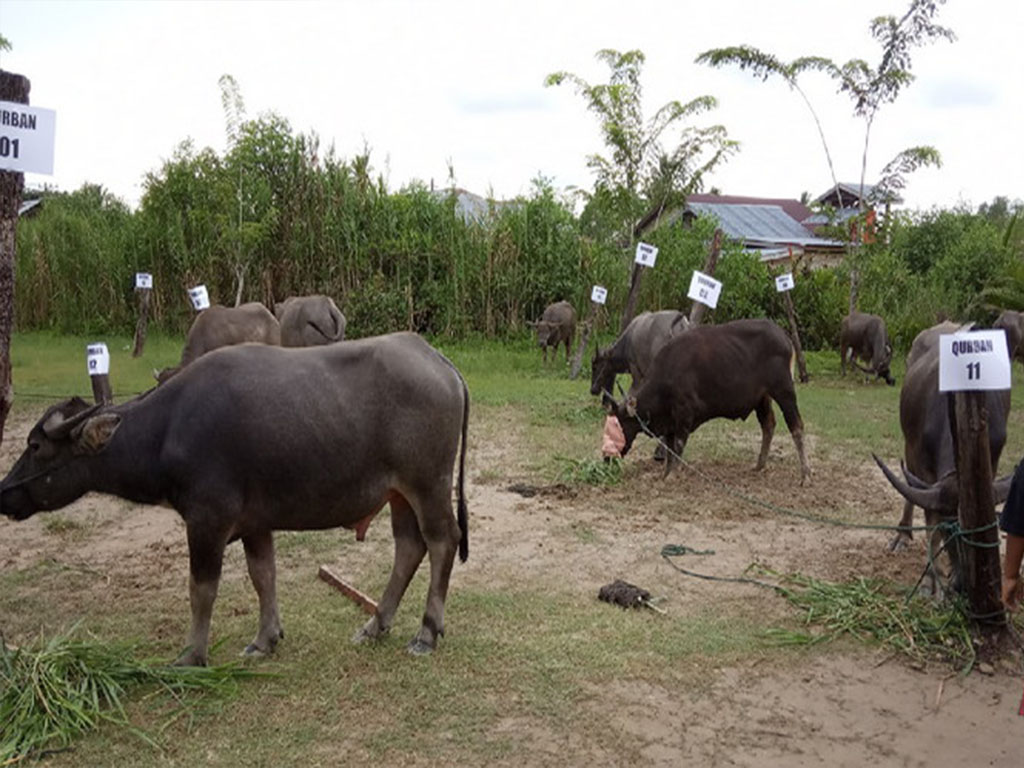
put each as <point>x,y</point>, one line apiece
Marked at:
<point>848,708</point>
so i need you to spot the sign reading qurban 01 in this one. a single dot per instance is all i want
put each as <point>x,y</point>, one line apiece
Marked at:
<point>784,282</point>
<point>26,138</point>
<point>599,294</point>
<point>973,360</point>
<point>97,359</point>
<point>705,289</point>
<point>646,254</point>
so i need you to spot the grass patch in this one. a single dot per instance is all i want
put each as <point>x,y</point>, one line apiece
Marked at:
<point>61,525</point>
<point>589,471</point>
<point>58,689</point>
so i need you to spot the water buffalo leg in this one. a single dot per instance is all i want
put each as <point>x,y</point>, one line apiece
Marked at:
<point>787,402</point>
<point>259,556</point>
<point>206,556</point>
<point>409,551</point>
<point>903,537</point>
<point>766,418</point>
<point>441,533</point>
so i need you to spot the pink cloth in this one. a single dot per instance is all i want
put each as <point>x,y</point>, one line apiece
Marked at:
<point>613,440</point>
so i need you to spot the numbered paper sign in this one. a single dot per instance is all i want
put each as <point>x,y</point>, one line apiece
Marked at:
<point>26,138</point>
<point>646,254</point>
<point>973,360</point>
<point>97,359</point>
<point>704,289</point>
<point>599,294</point>
<point>784,282</point>
<point>200,298</point>
<point>143,280</point>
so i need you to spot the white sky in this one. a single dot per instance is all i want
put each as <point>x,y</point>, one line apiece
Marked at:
<point>426,82</point>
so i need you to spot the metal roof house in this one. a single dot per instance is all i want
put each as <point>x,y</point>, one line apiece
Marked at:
<point>773,227</point>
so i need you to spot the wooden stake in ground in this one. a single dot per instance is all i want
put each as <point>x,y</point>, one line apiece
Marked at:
<point>980,553</point>
<point>12,88</point>
<point>144,290</point>
<point>598,295</point>
<point>697,310</point>
<point>98,363</point>
<point>363,601</point>
<point>794,331</point>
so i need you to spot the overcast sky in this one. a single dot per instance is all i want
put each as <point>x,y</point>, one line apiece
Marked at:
<point>425,83</point>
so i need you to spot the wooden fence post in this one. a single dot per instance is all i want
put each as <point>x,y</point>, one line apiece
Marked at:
<point>697,310</point>
<point>144,295</point>
<point>12,88</point>
<point>581,348</point>
<point>787,298</point>
<point>634,291</point>
<point>98,363</point>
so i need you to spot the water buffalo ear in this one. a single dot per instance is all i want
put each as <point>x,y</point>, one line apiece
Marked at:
<point>94,434</point>
<point>631,406</point>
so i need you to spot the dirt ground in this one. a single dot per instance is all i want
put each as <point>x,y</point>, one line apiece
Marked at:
<point>853,707</point>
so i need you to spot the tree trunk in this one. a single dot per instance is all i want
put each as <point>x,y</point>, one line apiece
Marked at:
<point>980,554</point>
<point>634,291</point>
<point>140,327</point>
<point>12,88</point>
<point>697,310</point>
<point>794,333</point>
<point>581,348</point>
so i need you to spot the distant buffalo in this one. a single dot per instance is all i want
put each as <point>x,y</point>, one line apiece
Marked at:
<point>219,326</point>
<point>1012,324</point>
<point>308,321</point>
<point>556,326</point>
<point>864,336</point>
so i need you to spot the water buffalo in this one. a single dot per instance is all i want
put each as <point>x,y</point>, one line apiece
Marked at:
<point>556,326</point>
<point>251,439</point>
<point>863,335</point>
<point>1013,324</point>
<point>717,371</point>
<point>219,326</point>
<point>633,352</point>
<point>930,461</point>
<point>307,321</point>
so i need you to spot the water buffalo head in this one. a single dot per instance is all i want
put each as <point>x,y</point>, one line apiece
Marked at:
<point>52,472</point>
<point>546,333</point>
<point>631,422</point>
<point>941,497</point>
<point>602,377</point>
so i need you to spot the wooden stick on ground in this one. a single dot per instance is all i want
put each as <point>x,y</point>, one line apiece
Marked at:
<point>363,601</point>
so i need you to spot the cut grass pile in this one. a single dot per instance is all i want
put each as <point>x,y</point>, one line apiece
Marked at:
<point>67,685</point>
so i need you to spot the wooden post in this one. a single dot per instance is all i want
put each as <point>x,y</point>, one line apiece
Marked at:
<point>697,310</point>
<point>12,88</point>
<point>787,298</point>
<point>979,565</point>
<point>634,291</point>
<point>581,348</point>
<point>144,295</point>
<point>98,359</point>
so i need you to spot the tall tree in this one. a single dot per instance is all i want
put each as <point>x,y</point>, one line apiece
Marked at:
<point>644,170</point>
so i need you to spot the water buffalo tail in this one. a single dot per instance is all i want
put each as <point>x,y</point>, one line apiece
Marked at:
<point>463,512</point>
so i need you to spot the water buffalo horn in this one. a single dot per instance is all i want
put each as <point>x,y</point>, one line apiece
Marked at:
<point>57,427</point>
<point>913,480</point>
<point>926,498</point>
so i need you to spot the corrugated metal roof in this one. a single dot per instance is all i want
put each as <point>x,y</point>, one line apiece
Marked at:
<point>763,224</point>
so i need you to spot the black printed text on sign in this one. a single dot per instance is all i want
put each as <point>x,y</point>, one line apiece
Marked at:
<point>704,289</point>
<point>143,280</point>
<point>200,298</point>
<point>646,254</point>
<point>97,359</point>
<point>599,294</point>
<point>973,360</point>
<point>784,282</point>
<point>26,138</point>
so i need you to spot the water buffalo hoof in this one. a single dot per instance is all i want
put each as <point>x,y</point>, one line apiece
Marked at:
<point>369,632</point>
<point>899,542</point>
<point>419,647</point>
<point>190,659</point>
<point>253,651</point>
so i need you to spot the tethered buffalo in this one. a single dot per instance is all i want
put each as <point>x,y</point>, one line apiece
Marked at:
<point>863,336</point>
<point>633,352</point>
<point>250,439</point>
<point>717,371</point>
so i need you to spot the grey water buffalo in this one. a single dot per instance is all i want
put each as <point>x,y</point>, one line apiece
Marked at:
<point>219,326</point>
<point>863,336</point>
<point>717,371</point>
<point>1012,323</point>
<point>633,352</point>
<point>556,326</point>
<point>929,458</point>
<point>307,321</point>
<point>251,439</point>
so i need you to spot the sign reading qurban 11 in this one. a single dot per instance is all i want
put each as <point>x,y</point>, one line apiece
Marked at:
<point>26,138</point>
<point>973,360</point>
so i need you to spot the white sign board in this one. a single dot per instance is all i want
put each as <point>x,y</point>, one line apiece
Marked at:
<point>784,282</point>
<point>704,289</point>
<point>97,359</point>
<point>599,294</point>
<point>646,254</point>
<point>973,360</point>
<point>200,298</point>
<point>26,138</point>
<point>143,280</point>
